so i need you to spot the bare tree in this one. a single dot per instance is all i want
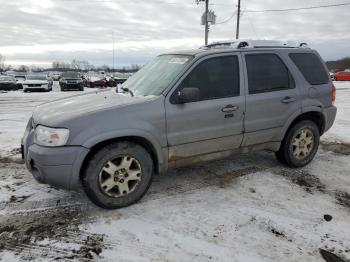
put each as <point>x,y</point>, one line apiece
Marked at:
<point>23,68</point>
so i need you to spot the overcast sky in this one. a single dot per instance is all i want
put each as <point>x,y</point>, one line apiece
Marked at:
<point>40,31</point>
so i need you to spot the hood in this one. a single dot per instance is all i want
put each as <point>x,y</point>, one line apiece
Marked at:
<point>34,82</point>
<point>96,79</point>
<point>55,113</point>
<point>7,82</point>
<point>70,79</point>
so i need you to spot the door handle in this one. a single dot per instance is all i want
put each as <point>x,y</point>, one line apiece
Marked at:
<point>288,100</point>
<point>229,109</point>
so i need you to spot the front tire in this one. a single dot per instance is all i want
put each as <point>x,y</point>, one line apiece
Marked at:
<point>118,175</point>
<point>300,145</point>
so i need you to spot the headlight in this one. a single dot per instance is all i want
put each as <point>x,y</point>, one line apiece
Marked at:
<point>46,136</point>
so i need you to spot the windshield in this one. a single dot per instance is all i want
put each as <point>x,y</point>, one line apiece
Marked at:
<point>20,77</point>
<point>70,75</point>
<point>6,78</point>
<point>36,77</point>
<point>156,76</point>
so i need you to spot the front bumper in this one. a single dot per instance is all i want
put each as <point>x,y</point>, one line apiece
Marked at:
<point>8,87</point>
<point>72,86</point>
<point>56,166</point>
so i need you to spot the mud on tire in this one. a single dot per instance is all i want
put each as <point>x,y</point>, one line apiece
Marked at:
<point>114,167</point>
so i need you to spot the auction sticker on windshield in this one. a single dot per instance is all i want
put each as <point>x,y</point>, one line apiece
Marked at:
<point>178,60</point>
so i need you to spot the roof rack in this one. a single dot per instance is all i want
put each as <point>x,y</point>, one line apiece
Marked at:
<point>238,44</point>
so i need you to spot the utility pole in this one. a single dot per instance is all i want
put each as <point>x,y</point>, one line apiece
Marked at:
<point>206,21</point>
<point>113,51</point>
<point>238,18</point>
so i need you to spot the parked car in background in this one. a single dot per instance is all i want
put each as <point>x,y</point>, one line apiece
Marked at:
<point>182,108</point>
<point>119,78</point>
<point>95,81</point>
<point>71,81</point>
<point>342,76</point>
<point>20,78</point>
<point>8,83</point>
<point>56,76</point>
<point>37,83</point>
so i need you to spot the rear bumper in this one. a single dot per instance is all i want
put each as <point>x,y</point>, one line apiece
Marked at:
<point>329,114</point>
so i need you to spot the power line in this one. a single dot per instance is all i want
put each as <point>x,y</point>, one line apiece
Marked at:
<point>297,9</point>
<point>228,19</point>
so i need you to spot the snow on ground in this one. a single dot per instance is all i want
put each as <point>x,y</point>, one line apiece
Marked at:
<point>246,208</point>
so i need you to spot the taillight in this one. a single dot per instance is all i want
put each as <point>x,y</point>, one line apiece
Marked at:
<point>334,93</point>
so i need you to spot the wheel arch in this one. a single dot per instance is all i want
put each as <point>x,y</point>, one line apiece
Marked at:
<point>314,115</point>
<point>154,150</point>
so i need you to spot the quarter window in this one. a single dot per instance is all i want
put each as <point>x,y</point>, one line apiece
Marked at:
<point>267,73</point>
<point>215,78</point>
<point>311,67</point>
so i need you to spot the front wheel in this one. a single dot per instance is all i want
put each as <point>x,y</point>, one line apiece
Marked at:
<point>300,144</point>
<point>118,175</point>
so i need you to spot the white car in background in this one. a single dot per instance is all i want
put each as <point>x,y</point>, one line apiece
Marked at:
<point>37,83</point>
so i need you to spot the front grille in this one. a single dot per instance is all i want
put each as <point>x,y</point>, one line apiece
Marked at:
<point>34,85</point>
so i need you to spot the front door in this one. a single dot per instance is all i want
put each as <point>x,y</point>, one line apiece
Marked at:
<point>214,122</point>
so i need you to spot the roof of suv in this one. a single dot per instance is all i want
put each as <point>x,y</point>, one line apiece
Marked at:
<point>241,45</point>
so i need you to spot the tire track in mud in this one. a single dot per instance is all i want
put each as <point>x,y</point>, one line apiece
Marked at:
<point>23,225</point>
<point>338,148</point>
<point>34,235</point>
<point>203,181</point>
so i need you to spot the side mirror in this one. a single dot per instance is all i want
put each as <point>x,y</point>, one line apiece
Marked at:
<point>187,95</point>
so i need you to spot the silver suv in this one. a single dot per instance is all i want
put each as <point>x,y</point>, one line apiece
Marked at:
<point>179,109</point>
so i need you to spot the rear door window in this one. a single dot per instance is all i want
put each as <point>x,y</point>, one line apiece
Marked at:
<point>267,73</point>
<point>311,67</point>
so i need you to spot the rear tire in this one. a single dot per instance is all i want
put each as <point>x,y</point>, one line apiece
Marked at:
<point>300,145</point>
<point>118,175</point>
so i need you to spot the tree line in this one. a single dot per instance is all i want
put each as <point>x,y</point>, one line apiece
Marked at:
<point>339,65</point>
<point>74,65</point>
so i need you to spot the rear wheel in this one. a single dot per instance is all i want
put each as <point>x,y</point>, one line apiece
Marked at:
<point>118,175</point>
<point>300,144</point>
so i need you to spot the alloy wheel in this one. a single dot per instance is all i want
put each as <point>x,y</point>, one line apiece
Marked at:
<point>303,143</point>
<point>120,176</point>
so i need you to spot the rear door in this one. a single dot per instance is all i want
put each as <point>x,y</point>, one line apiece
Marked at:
<point>272,96</point>
<point>316,85</point>
<point>215,122</point>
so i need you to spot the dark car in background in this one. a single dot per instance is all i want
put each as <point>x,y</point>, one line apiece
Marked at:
<point>71,81</point>
<point>56,76</point>
<point>8,83</point>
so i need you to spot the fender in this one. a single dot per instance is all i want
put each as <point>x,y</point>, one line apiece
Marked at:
<point>128,133</point>
<point>294,116</point>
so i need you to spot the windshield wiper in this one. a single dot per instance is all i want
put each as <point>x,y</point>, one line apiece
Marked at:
<point>125,89</point>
